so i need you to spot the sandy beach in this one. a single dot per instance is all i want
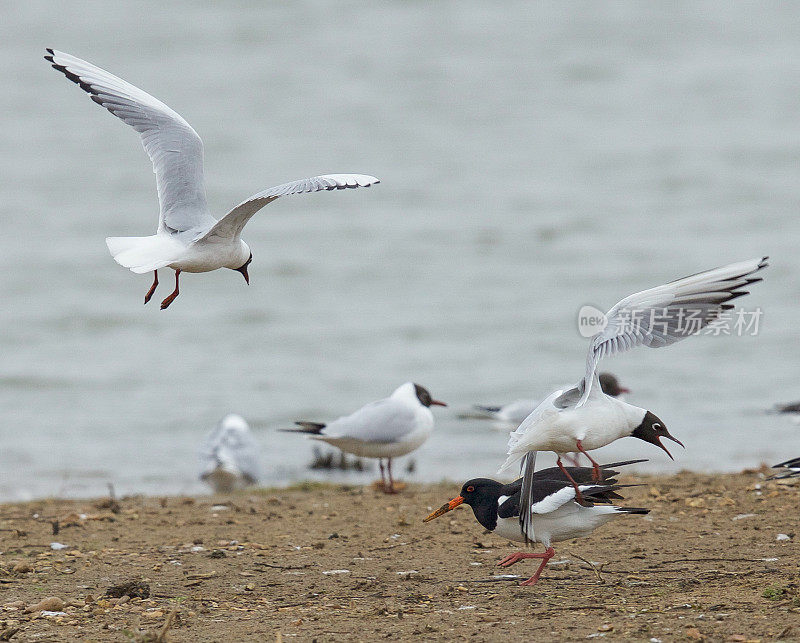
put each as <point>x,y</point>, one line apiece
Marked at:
<point>331,563</point>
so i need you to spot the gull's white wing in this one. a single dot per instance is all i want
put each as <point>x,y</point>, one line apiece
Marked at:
<point>666,314</point>
<point>232,442</point>
<point>172,145</point>
<point>519,440</point>
<point>231,225</point>
<point>385,421</point>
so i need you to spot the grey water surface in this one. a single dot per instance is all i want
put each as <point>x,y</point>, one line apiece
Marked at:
<point>534,157</point>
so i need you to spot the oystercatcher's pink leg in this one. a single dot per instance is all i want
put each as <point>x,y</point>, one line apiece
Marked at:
<point>546,556</point>
<point>596,473</point>
<point>174,293</point>
<point>578,494</point>
<point>152,288</point>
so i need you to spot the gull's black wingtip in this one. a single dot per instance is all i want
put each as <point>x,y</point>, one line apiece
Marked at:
<point>50,54</point>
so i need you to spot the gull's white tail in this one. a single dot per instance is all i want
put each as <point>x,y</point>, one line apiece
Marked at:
<point>144,254</point>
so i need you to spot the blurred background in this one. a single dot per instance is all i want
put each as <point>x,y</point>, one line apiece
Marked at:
<point>534,159</point>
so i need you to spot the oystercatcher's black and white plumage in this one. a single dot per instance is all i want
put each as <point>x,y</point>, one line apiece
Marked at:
<point>555,515</point>
<point>791,469</point>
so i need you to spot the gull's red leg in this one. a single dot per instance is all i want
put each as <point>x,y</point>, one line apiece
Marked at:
<point>174,293</point>
<point>573,459</point>
<point>383,477</point>
<point>391,488</point>
<point>596,473</point>
<point>546,556</point>
<point>578,494</point>
<point>152,288</point>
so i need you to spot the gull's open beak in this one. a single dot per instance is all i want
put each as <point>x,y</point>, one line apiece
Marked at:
<point>448,506</point>
<point>437,403</point>
<point>661,444</point>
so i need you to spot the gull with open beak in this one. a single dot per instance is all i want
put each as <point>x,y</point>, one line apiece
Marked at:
<point>584,417</point>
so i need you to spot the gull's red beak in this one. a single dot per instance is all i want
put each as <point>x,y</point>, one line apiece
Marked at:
<point>437,403</point>
<point>622,390</point>
<point>243,270</point>
<point>448,506</point>
<point>661,444</point>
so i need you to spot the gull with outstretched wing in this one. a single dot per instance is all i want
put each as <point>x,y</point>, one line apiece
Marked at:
<point>583,418</point>
<point>189,238</point>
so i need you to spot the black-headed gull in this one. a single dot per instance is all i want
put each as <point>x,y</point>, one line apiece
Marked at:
<point>229,456</point>
<point>584,418</point>
<point>387,428</point>
<point>556,516</point>
<point>515,412</point>
<point>189,238</point>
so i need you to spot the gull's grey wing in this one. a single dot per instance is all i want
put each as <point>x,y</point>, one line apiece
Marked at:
<point>384,421</point>
<point>172,145</point>
<point>230,443</point>
<point>667,314</point>
<point>231,225</point>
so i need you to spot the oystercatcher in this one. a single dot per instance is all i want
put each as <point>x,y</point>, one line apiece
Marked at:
<point>385,429</point>
<point>584,418</point>
<point>555,514</point>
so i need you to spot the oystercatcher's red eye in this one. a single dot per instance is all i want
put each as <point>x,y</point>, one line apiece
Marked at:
<point>470,488</point>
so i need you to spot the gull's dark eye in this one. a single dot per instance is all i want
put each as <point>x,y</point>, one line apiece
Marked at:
<point>470,489</point>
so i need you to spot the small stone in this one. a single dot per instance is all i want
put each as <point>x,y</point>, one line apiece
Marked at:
<point>22,568</point>
<point>783,537</point>
<point>58,546</point>
<point>606,627</point>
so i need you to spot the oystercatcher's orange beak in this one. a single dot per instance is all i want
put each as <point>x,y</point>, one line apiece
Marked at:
<point>437,403</point>
<point>448,506</point>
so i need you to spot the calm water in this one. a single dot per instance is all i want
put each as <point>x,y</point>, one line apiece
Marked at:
<point>534,159</point>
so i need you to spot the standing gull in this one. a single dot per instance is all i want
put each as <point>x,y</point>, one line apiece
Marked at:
<point>189,238</point>
<point>387,428</point>
<point>515,412</point>
<point>229,455</point>
<point>584,418</point>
